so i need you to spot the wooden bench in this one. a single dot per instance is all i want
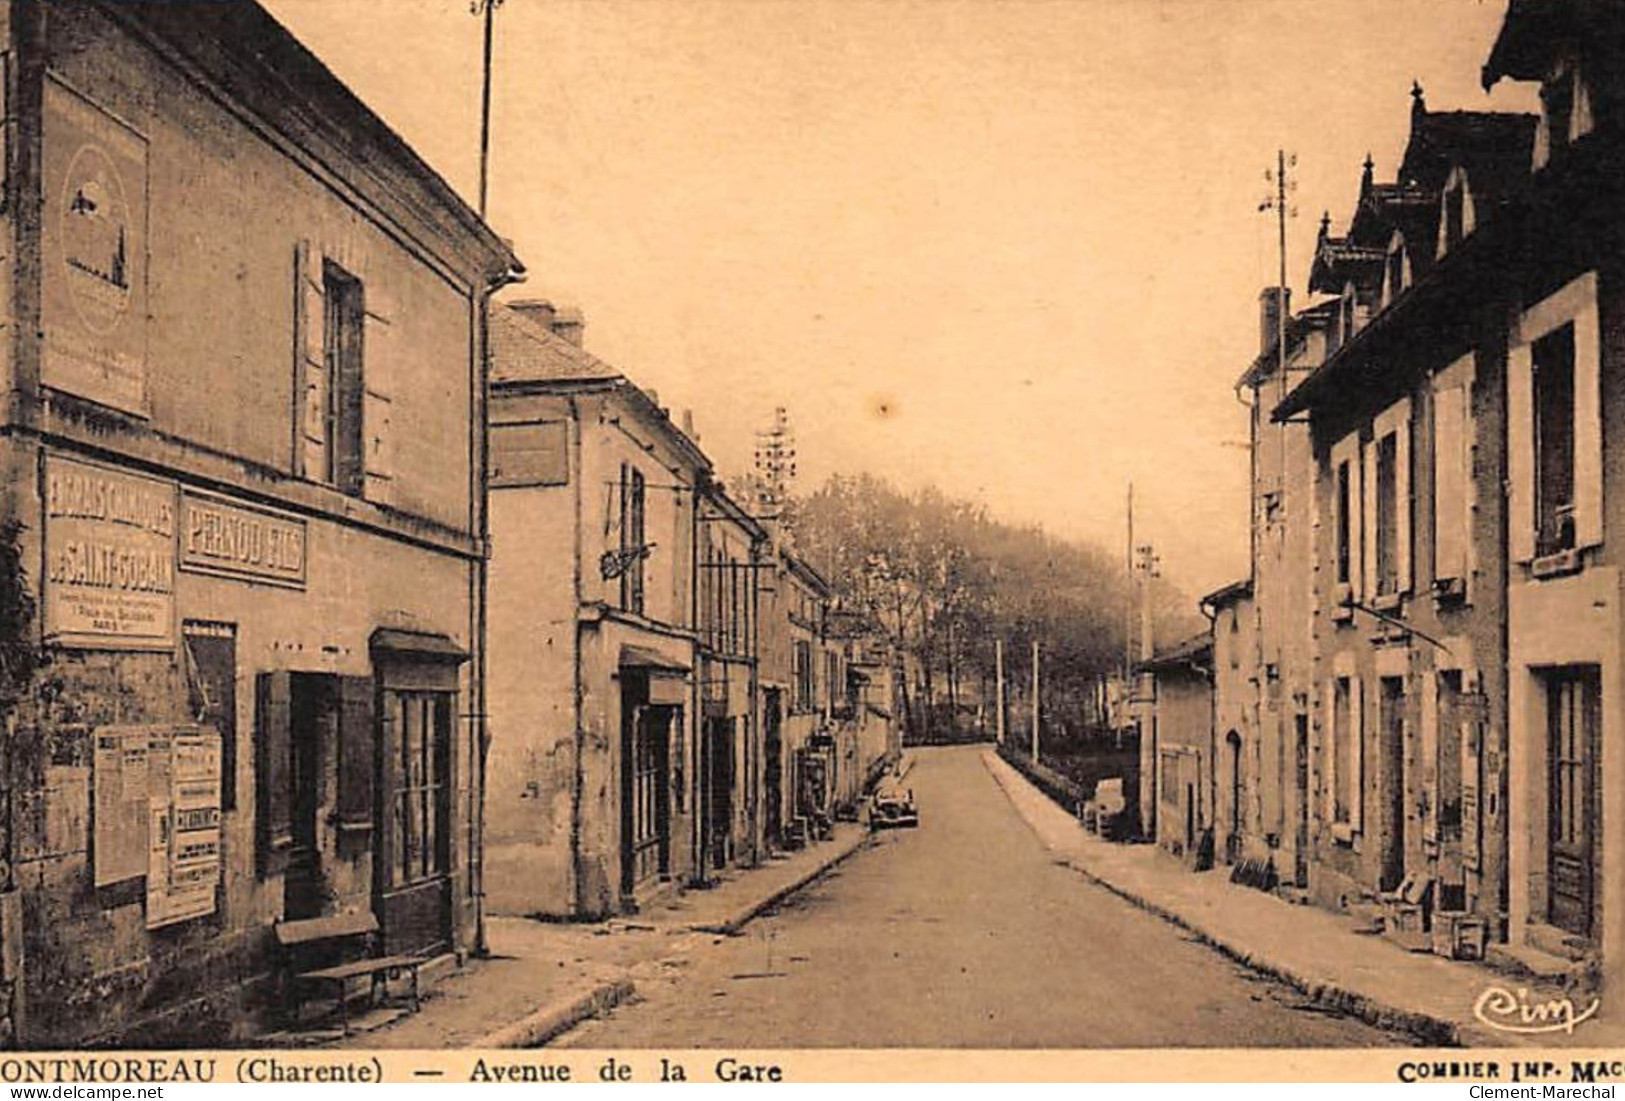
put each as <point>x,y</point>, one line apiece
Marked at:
<point>327,952</point>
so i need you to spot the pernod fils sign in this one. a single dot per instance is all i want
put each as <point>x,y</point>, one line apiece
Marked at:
<point>236,540</point>
<point>109,557</point>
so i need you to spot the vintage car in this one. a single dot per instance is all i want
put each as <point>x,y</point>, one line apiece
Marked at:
<point>892,805</point>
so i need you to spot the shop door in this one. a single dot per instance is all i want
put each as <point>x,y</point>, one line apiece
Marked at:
<point>1572,722</point>
<point>413,893</point>
<point>773,765</point>
<point>313,722</point>
<point>1300,861</point>
<point>1392,800</point>
<point>645,793</point>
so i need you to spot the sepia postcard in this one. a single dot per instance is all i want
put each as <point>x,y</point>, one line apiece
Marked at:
<point>813,540</point>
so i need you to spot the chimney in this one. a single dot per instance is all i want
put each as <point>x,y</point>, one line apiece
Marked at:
<point>1274,303</point>
<point>568,324</point>
<point>538,310</point>
<point>688,425</point>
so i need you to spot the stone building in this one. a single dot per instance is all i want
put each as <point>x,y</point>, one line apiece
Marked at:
<point>798,744</point>
<point>594,722</point>
<point>1177,748</point>
<point>243,443</point>
<point>1406,416</point>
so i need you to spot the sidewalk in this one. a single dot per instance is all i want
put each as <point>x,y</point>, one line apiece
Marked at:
<point>1317,951</point>
<point>543,978</point>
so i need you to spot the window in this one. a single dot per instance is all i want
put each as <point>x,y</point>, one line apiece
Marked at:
<point>1455,214</point>
<point>1343,752</point>
<point>1394,277</point>
<point>1451,476</point>
<point>1553,387</point>
<point>1387,515</point>
<point>804,675</point>
<point>832,678</point>
<point>1347,315</point>
<point>1345,500</point>
<point>634,545</point>
<point>342,322</point>
<point>420,833</point>
<point>1557,109</point>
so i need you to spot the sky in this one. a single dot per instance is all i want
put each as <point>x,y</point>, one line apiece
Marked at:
<point>1009,247</point>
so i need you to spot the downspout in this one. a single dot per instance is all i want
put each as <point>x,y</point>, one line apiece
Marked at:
<point>578,779</point>
<point>696,832</point>
<point>481,502</point>
<point>1212,618</point>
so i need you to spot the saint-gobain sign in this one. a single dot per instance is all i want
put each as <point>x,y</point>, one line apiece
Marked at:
<point>224,537</point>
<point>109,557</point>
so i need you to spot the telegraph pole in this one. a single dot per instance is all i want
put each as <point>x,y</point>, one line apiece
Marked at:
<point>489,9</point>
<point>1035,701</point>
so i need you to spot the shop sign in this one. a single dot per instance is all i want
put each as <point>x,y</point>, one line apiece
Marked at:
<point>94,237</point>
<point>224,537</point>
<point>109,557</point>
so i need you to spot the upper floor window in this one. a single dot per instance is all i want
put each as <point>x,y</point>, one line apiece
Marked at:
<point>1396,274</point>
<point>1452,475</point>
<point>1388,503</point>
<point>1454,213</point>
<point>1344,526</point>
<point>1554,425</point>
<point>343,318</point>
<point>804,675</point>
<point>634,545</point>
<point>1565,110</point>
<point>1387,515</point>
<point>1553,389</point>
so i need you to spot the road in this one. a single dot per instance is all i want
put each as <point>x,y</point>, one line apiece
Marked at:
<point>962,933</point>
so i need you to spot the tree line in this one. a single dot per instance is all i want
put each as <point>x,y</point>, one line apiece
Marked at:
<point>943,579</point>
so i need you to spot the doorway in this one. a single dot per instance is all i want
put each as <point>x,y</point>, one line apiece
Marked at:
<point>1391,720</point>
<point>1573,722</point>
<point>313,731</point>
<point>1300,850</point>
<point>773,765</point>
<point>1232,841</point>
<point>645,786</point>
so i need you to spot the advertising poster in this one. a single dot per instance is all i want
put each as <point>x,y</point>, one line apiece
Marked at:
<point>94,230</point>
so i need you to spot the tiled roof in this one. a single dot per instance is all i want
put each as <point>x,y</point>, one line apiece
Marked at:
<point>523,350</point>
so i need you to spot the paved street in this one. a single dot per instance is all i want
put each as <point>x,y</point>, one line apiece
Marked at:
<point>963,932</point>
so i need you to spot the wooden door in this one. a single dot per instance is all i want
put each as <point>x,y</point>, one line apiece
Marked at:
<point>1572,722</point>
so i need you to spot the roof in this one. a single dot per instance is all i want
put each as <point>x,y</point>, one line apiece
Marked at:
<point>1298,327</point>
<point>1193,654</point>
<point>524,350</point>
<point>717,494</point>
<point>1494,147</point>
<point>242,49</point>
<point>803,569</point>
<point>1229,594</point>
<point>528,357</point>
<point>1534,29</point>
<point>643,657</point>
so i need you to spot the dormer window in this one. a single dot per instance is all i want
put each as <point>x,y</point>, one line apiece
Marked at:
<point>1396,274</point>
<point>1456,215</point>
<point>1347,313</point>
<point>1565,110</point>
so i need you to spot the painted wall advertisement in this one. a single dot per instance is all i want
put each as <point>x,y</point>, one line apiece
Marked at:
<point>235,540</point>
<point>94,230</point>
<point>109,557</point>
<point>157,814</point>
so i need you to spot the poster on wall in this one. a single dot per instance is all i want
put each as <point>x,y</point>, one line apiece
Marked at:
<point>109,557</point>
<point>157,815</point>
<point>94,236</point>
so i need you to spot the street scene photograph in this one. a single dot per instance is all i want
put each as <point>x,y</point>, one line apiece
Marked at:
<point>825,525</point>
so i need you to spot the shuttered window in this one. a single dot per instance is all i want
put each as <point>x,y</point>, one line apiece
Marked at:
<point>1451,530</point>
<point>358,753</point>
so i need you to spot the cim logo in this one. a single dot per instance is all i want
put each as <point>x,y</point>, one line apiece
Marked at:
<point>1513,1011</point>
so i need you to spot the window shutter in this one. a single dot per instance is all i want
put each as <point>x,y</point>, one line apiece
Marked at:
<point>1450,516</point>
<point>310,365</point>
<point>1404,502</point>
<point>1521,453</point>
<point>1357,751</point>
<point>273,738</point>
<point>381,348</point>
<point>1587,429</point>
<point>1328,755</point>
<point>1368,520</point>
<point>358,753</point>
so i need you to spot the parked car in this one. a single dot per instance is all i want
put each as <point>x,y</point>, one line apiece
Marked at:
<point>893,805</point>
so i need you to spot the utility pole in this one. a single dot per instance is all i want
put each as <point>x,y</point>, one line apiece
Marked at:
<point>998,666</point>
<point>489,9</point>
<point>1035,701</point>
<point>1128,622</point>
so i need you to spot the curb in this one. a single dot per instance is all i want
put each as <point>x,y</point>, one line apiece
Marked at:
<point>1431,1029</point>
<point>537,1028</point>
<point>745,914</point>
